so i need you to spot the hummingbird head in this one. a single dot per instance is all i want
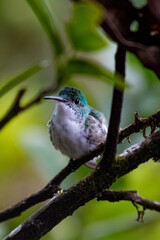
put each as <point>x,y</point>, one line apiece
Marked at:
<point>71,97</point>
<point>74,96</point>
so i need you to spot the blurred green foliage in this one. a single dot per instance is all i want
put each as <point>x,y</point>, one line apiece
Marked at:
<point>27,158</point>
<point>139,3</point>
<point>25,74</point>
<point>82,30</point>
<point>45,18</point>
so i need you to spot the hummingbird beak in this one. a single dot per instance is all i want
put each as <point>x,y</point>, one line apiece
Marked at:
<point>59,99</point>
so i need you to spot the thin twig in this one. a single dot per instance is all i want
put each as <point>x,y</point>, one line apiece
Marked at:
<point>140,123</point>
<point>14,110</point>
<point>16,107</point>
<point>133,196</point>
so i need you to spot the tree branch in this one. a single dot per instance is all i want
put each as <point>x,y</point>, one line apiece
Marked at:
<point>66,203</point>
<point>113,129</point>
<point>137,154</point>
<point>133,196</point>
<point>48,191</point>
<point>52,187</point>
<point>140,124</point>
<point>16,107</point>
<point>14,110</point>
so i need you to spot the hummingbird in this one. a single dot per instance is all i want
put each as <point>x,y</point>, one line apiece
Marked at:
<point>76,128</point>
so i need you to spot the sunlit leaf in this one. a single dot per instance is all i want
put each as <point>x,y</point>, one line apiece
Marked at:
<point>22,76</point>
<point>86,67</point>
<point>83,29</point>
<point>45,18</point>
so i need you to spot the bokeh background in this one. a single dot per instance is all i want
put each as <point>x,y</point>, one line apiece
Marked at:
<point>28,160</point>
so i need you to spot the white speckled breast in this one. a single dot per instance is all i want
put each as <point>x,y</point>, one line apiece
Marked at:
<point>71,136</point>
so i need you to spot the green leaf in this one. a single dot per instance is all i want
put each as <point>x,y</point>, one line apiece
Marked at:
<point>14,81</point>
<point>139,3</point>
<point>83,29</point>
<point>86,67</point>
<point>46,19</point>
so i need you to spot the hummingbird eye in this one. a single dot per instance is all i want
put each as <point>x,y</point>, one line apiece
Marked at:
<point>76,101</point>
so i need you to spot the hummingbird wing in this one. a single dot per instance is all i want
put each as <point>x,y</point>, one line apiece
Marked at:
<point>96,127</point>
<point>96,132</point>
<point>50,124</point>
